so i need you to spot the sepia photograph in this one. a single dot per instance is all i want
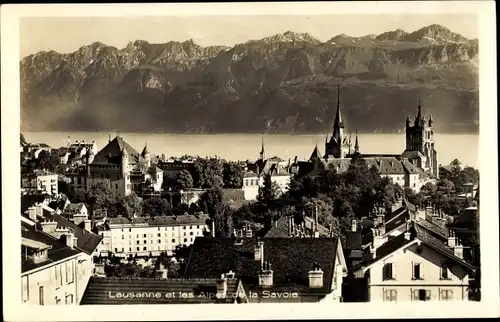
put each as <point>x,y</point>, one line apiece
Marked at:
<point>217,158</point>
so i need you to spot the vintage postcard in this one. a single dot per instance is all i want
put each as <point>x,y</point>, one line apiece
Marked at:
<point>306,160</point>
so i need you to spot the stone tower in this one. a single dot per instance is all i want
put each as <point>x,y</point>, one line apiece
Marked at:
<point>420,142</point>
<point>338,146</point>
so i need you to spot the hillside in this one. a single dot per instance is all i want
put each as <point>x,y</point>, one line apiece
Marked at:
<point>284,83</point>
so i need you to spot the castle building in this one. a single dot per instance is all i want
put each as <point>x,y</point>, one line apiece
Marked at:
<point>121,167</point>
<point>416,166</point>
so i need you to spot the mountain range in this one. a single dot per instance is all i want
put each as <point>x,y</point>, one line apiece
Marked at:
<point>286,83</point>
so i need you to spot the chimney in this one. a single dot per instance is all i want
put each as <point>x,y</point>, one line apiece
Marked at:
<point>378,238</point>
<point>213,228</point>
<point>373,251</point>
<point>452,240</point>
<point>458,251</point>
<point>99,270</point>
<point>88,225</point>
<point>222,287</point>
<point>32,213</point>
<point>259,252</point>
<point>354,225</point>
<point>266,276</point>
<point>70,240</point>
<point>316,277</point>
<point>49,227</point>
<point>407,235</point>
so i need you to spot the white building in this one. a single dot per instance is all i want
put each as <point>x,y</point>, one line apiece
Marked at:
<point>142,236</point>
<point>57,258</point>
<point>42,182</point>
<point>418,264</point>
<point>255,173</point>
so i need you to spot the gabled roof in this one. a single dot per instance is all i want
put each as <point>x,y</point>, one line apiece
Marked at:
<point>250,174</point>
<point>315,154</point>
<point>386,165</point>
<point>291,259</point>
<point>418,234</point>
<point>111,153</point>
<point>57,251</point>
<point>353,240</point>
<point>99,289</point>
<point>86,241</point>
<point>74,208</point>
<point>161,220</point>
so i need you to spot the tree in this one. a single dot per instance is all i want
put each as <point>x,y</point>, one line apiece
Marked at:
<point>207,173</point>
<point>131,205</point>
<point>232,175</point>
<point>267,192</point>
<point>99,196</point>
<point>47,160</point>
<point>184,180</point>
<point>156,207</point>
<point>211,201</point>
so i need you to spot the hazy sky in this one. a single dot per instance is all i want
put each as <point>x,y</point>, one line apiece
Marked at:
<point>67,34</point>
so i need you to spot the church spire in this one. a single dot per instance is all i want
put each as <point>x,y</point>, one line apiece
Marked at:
<point>356,145</point>
<point>262,152</point>
<point>419,113</point>
<point>338,125</point>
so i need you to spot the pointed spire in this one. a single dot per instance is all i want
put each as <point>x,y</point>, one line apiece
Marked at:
<point>419,113</point>
<point>262,151</point>
<point>431,121</point>
<point>145,150</point>
<point>337,125</point>
<point>356,145</point>
<point>315,153</point>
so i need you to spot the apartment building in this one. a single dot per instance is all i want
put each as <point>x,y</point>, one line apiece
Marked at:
<point>142,236</point>
<point>42,182</point>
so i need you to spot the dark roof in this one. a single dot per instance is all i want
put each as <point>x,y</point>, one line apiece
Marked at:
<point>99,289</point>
<point>74,208</point>
<point>31,200</point>
<point>161,220</point>
<point>315,154</point>
<point>438,231</point>
<point>111,153</point>
<point>425,237</point>
<point>397,222</point>
<point>393,214</point>
<point>57,251</point>
<point>291,259</point>
<point>86,241</point>
<point>280,228</point>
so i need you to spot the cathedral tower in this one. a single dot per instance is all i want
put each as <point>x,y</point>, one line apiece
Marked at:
<point>338,145</point>
<point>420,142</point>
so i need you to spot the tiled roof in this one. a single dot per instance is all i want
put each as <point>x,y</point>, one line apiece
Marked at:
<point>111,153</point>
<point>39,173</point>
<point>411,154</point>
<point>393,214</point>
<point>186,291</point>
<point>353,240</point>
<point>291,259</point>
<point>250,174</point>
<point>58,249</point>
<point>280,229</point>
<point>31,200</point>
<point>410,168</point>
<point>417,232</point>
<point>441,232</point>
<point>74,208</point>
<point>86,241</point>
<point>161,220</point>
<point>386,165</point>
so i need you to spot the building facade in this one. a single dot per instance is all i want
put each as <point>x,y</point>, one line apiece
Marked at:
<point>40,182</point>
<point>143,236</point>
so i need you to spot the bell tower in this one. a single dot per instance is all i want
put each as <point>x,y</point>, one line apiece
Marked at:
<point>337,147</point>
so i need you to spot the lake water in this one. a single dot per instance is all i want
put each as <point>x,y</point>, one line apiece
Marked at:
<point>464,147</point>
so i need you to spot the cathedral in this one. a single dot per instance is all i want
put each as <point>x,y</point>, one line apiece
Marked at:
<point>414,167</point>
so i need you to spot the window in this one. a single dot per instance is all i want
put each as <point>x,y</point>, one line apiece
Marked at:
<point>388,272</point>
<point>40,295</point>
<point>191,233</point>
<point>69,299</point>
<point>159,241</point>
<point>69,272</point>
<point>444,272</point>
<point>145,241</point>
<point>58,272</point>
<point>173,240</point>
<point>137,236</point>
<point>417,274</point>
<point>25,288</point>
<point>116,185</point>
<point>446,295</point>
<point>116,249</point>
<point>185,240</point>
<point>198,226</point>
<point>159,235</point>
<point>130,249</point>
<point>138,242</point>
<point>421,295</point>
<point>184,233</point>
<point>390,295</point>
<point>144,248</point>
<point>145,236</point>
<point>123,249</point>
<point>138,248</point>
<point>123,237</point>
<point>130,230</point>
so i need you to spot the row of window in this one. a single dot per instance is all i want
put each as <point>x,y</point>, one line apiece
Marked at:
<point>417,272</point>
<point>164,228</point>
<point>151,235</point>
<point>418,295</point>
<point>138,242</point>
<point>60,278</point>
<point>145,248</point>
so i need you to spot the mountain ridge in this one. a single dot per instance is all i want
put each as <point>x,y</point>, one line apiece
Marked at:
<point>284,83</point>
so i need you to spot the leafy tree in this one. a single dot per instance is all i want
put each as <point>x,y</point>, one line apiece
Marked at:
<point>131,205</point>
<point>194,208</point>
<point>99,196</point>
<point>267,192</point>
<point>184,180</point>
<point>208,173</point>
<point>156,207</point>
<point>47,160</point>
<point>180,209</point>
<point>232,175</point>
<point>212,201</point>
